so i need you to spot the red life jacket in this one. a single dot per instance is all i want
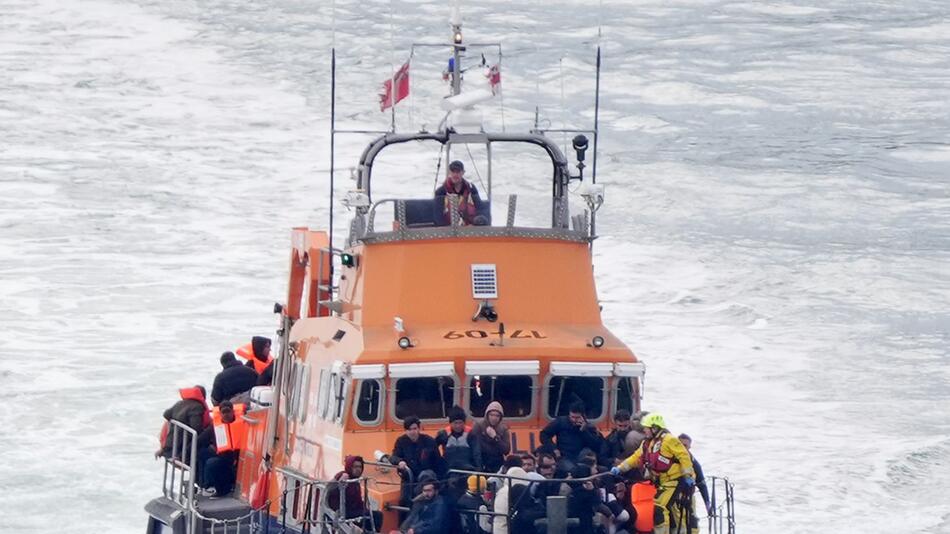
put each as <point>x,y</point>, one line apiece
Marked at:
<point>652,459</point>
<point>229,436</point>
<point>247,352</point>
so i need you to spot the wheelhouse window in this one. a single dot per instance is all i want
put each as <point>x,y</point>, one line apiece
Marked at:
<point>566,390</point>
<point>514,392</point>
<point>626,395</point>
<point>425,397</point>
<point>368,401</point>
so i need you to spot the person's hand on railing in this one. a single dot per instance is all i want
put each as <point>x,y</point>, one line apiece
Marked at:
<point>402,466</point>
<point>615,471</point>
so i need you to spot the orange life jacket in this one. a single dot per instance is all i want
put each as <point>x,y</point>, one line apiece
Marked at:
<point>641,497</point>
<point>229,436</point>
<point>247,352</point>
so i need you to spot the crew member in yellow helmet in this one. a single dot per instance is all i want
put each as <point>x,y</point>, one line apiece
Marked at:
<point>666,461</point>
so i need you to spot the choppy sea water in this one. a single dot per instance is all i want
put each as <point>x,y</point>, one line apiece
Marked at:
<point>776,233</point>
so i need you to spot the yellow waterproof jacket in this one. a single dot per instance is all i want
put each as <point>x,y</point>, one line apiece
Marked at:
<point>671,449</point>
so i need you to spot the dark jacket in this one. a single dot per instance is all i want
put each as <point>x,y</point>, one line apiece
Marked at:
<point>613,447</point>
<point>570,440</point>
<point>190,410</point>
<point>353,491</point>
<point>267,377</point>
<point>700,480</point>
<point>468,504</point>
<point>428,516</point>
<point>232,380</point>
<point>460,451</point>
<point>492,450</point>
<point>470,204</point>
<point>582,503</point>
<point>524,509</point>
<point>419,455</point>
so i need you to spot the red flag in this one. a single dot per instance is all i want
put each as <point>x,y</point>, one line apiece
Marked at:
<point>494,78</point>
<point>387,99</point>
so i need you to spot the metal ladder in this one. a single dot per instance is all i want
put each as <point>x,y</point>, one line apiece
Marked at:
<point>326,289</point>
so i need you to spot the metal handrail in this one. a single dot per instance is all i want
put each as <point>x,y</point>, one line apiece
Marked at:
<point>179,477</point>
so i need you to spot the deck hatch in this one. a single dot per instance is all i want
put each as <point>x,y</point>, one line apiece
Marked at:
<point>484,281</point>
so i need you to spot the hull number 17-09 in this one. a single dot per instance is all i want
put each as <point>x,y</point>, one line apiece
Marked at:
<point>478,334</point>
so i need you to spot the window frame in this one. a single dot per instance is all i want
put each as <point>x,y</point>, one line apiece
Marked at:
<point>546,394</point>
<point>535,404</point>
<point>615,389</point>
<point>303,394</point>
<point>392,398</point>
<point>341,395</point>
<point>356,384</point>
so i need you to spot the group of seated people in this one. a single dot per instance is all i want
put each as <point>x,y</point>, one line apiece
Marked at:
<point>221,430</point>
<point>508,492</point>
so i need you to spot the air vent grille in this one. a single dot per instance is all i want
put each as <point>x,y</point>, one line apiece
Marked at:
<point>484,281</point>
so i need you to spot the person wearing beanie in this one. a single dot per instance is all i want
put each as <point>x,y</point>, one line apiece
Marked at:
<point>233,380</point>
<point>493,440</point>
<point>458,444</point>
<point>475,499</point>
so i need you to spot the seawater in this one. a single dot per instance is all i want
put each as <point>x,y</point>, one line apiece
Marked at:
<point>775,239</point>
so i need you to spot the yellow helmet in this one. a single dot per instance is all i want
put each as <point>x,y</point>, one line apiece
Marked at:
<point>651,420</point>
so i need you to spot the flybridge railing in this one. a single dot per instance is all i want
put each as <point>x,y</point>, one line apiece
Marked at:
<point>415,219</point>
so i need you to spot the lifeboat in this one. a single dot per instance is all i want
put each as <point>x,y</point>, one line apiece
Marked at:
<point>418,310</point>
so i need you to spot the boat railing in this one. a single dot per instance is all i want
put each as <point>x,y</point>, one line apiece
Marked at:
<point>305,505</point>
<point>180,469</point>
<point>722,517</point>
<point>413,220</point>
<point>251,522</point>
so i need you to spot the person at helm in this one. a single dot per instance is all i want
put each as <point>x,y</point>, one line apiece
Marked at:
<point>666,462</point>
<point>470,203</point>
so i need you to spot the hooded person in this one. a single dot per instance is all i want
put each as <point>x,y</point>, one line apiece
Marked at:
<point>353,503</point>
<point>233,380</point>
<point>500,522</point>
<point>257,353</point>
<point>353,496</point>
<point>192,411</point>
<point>491,434</point>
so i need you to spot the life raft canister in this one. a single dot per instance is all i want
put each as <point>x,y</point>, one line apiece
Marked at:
<point>247,352</point>
<point>229,436</point>
<point>641,498</point>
